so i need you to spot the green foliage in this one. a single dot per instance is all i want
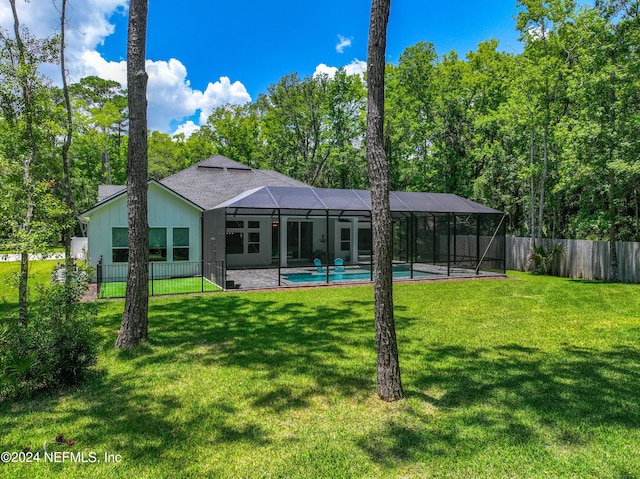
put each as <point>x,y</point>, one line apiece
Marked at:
<point>542,259</point>
<point>55,348</point>
<point>549,135</point>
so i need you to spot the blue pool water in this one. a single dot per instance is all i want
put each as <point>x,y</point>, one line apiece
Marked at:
<point>346,276</point>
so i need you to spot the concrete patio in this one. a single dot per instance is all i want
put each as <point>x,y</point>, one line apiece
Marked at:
<point>251,279</point>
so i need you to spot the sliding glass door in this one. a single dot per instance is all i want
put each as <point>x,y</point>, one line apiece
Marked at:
<point>299,239</point>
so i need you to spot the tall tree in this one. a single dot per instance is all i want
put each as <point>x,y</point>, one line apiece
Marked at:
<point>105,103</point>
<point>388,365</point>
<point>410,115</point>
<point>234,129</point>
<point>542,25</point>
<point>293,127</point>
<point>68,229</point>
<point>135,318</point>
<point>25,102</point>
<point>602,135</point>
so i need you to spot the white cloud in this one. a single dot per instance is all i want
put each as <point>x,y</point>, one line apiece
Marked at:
<point>221,93</point>
<point>90,62</point>
<point>323,69</point>
<point>343,43</point>
<point>187,129</point>
<point>356,67</point>
<point>87,20</point>
<point>170,95</point>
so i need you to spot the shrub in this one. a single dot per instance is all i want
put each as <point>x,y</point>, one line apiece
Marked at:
<point>542,260</point>
<point>55,348</point>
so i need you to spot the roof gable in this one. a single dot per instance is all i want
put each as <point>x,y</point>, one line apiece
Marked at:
<point>120,191</point>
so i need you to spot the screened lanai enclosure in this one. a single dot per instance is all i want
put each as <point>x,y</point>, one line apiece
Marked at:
<point>293,236</point>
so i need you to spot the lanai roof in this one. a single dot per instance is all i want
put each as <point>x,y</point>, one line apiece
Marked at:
<point>315,201</point>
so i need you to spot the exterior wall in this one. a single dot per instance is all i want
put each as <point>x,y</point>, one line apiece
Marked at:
<point>165,211</point>
<point>326,241</point>
<point>264,256</point>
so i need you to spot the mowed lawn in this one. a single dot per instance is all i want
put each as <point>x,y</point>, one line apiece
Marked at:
<point>157,287</point>
<point>526,377</point>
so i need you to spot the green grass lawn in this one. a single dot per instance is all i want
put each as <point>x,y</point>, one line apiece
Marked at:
<point>39,273</point>
<point>528,377</point>
<point>161,287</point>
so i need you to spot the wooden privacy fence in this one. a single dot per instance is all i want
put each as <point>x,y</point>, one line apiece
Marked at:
<point>583,259</point>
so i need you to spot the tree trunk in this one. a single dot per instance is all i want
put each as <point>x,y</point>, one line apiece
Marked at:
<point>23,297</point>
<point>613,230</point>
<point>543,179</point>
<point>532,228</point>
<point>66,164</point>
<point>135,317</point>
<point>106,163</point>
<point>388,366</point>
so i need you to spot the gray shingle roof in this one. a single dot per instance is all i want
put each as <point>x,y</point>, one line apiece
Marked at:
<point>218,179</point>
<point>106,191</point>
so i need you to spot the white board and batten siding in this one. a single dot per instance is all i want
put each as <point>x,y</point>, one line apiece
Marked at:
<point>165,210</point>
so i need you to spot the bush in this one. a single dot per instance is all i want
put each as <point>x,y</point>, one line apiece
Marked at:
<point>541,259</point>
<point>57,346</point>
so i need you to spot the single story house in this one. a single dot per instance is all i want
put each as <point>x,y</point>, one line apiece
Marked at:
<point>220,212</point>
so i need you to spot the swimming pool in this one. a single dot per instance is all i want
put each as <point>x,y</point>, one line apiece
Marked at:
<point>348,275</point>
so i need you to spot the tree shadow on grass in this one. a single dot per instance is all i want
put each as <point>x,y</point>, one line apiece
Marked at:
<point>116,414</point>
<point>512,396</point>
<point>270,337</point>
<point>270,341</point>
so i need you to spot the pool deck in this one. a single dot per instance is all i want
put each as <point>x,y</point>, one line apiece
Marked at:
<point>252,279</point>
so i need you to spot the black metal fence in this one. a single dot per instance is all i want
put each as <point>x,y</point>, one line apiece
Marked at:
<point>164,278</point>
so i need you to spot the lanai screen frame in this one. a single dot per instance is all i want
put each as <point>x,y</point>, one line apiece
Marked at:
<point>309,202</point>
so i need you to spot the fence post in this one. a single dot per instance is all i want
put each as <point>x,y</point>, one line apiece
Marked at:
<point>449,244</point>
<point>478,260</point>
<point>201,276</point>
<point>151,264</point>
<point>99,276</point>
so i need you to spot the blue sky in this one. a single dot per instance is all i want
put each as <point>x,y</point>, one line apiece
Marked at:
<point>258,42</point>
<point>202,54</point>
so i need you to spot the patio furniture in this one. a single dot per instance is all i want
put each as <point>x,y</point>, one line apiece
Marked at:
<point>318,265</point>
<point>338,265</point>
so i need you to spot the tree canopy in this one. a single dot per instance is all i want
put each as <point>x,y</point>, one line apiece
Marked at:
<point>549,135</point>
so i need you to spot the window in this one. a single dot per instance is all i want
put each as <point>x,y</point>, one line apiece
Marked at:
<point>239,232</point>
<point>364,241</point>
<point>254,242</point>
<point>120,245</point>
<point>180,244</point>
<point>157,244</point>
<point>345,239</point>
<point>235,242</point>
<point>235,224</point>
